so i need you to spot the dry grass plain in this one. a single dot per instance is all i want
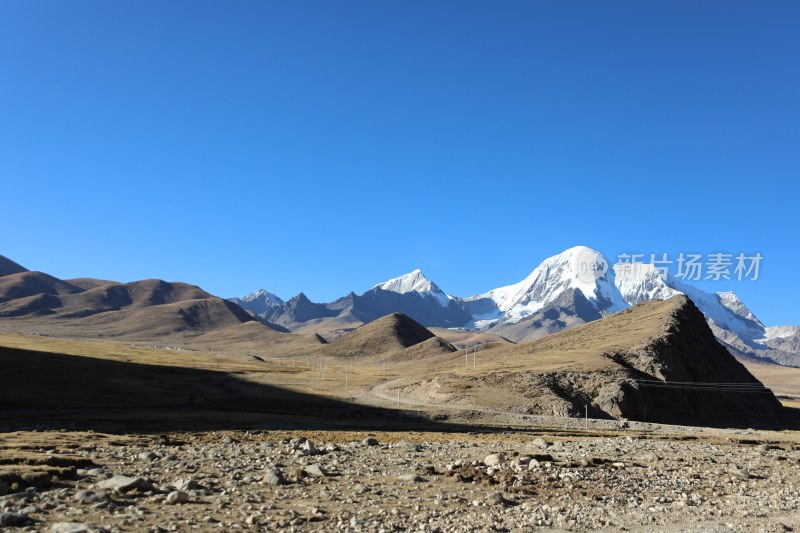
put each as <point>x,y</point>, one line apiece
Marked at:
<point>170,413</point>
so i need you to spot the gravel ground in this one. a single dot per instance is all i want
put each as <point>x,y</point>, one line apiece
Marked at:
<point>351,481</point>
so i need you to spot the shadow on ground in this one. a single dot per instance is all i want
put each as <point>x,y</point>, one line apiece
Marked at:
<point>46,391</point>
<point>40,390</point>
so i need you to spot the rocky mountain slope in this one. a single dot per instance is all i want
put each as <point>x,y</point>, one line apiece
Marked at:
<point>412,294</point>
<point>729,318</point>
<point>655,362</point>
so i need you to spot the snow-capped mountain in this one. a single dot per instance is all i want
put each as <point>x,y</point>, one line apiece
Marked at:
<point>579,268</point>
<point>411,294</point>
<point>638,282</point>
<point>565,290</point>
<point>781,332</point>
<point>259,302</point>
<point>727,316</point>
<point>415,282</point>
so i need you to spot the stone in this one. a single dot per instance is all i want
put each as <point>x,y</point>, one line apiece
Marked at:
<point>370,441</point>
<point>185,484</point>
<point>273,476</point>
<point>540,443</point>
<point>94,472</point>
<point>87,497</point>
<point>297,442</point>
<point>147,456</point>
<point>176,497</point>
<point>496,498</point>
<point>493,459</point>
<point>13,519</point>
<point>741,473</point>
<point>411,478</point>
<point>314,471</point>
<point>308,447</point>
<point>408,446</point>
<point>648,457</point>
<point>121,483</point>
<point>69,527</point>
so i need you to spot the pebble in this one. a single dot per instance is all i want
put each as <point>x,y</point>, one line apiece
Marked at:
<point>13,519</point>
<point>408,446</point>
<point>176,497</point>
<point>496,498</point>
<point>540,443</point>
<point>314,471</point>
<point>147,456</point>
<point>273,476</point>
<point>69,527</point>
<point>185,484</point>
<point>88,496</point>
<point>740,472</point>
<point>493,459</point>
<point>121,483</point>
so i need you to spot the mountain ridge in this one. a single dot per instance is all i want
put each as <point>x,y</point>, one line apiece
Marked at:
<point>546,300</point>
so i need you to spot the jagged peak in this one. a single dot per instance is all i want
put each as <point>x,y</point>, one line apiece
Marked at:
<point>579,267</point>
<point>262,294</point>
<point>415,281</point>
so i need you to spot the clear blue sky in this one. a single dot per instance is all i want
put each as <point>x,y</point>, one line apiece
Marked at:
<point>328,146</point>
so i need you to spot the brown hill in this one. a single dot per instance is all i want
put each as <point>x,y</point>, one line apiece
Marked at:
<point>7,266</point>
<point>388,334</point>
<point>147,310</point>
<point>656,362</point>
<point>424,350</point>
<point>24,284</point>
<point>25,294</point>
<point>90,283</point>
<point>143,323</point>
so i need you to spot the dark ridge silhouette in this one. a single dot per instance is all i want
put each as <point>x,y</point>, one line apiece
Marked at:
<point>7,266</point>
